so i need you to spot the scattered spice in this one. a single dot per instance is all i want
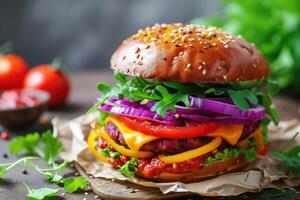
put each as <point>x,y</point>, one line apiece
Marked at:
<point>5,135</point>
<point>5,155</point>
<point>25,172</point>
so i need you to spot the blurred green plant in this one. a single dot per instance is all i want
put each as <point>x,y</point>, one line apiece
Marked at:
<point>273,26</point>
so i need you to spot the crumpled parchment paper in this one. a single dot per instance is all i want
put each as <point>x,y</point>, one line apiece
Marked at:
<point>264,173</point>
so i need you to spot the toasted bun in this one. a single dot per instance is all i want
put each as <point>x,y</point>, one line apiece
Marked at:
<point>215,169</point>
<point>189,54</point>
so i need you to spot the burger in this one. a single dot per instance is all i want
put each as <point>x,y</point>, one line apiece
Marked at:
<point>192,102</point>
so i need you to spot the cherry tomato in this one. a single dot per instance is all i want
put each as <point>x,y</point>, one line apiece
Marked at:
<point>124,159</point>
<point>174,132</point>
<point>46,77</point>
<point>102,143</point>
<point>13,69</point>
<point>263,151</point>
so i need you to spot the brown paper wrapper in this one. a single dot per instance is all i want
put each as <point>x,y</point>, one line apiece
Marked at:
<point>266,172</point>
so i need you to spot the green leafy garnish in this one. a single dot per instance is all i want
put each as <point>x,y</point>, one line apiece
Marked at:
<point>72,185</point>
<point>271,193</point>
<point>291,158</point>
<point>168,94</point>
<point>52,147</point>
<point>220,156</point>
<point>41,193</point>
<point>249,153</point>
<point>30,144</point>
<point>46,147</point>
<point>128,169</point>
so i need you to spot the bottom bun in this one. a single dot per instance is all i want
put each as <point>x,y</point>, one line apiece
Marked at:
<point>213,170</point>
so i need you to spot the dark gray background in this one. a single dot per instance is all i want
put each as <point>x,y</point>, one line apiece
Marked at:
<point>84,33</point>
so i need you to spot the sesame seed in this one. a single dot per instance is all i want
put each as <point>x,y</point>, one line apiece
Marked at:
<point>124,57</point>
<point>138,56</point>
<point>225,46</point>
<point>62,194</point>
<point>140,63</point>
<point>96,197</point>
<point>147,47</point>
<point>200,67</point>
<point>219,68</point>
<point>188,65</point>
<point>254,65</point>
<point>177,45</point>
<point>86,193</point>
<point>224,77</point>
<point>181,53</point>
<point>203,63</point>
<point>203,72</point>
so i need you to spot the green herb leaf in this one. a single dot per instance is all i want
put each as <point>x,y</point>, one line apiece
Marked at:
<point>128,169</point>
<point>52,147</point>
<point>41,193</point>
<point>72,185</point>
<point>55,178</point>
<point>220,156</point>
<point>290,159</point>
<point>2,172</point>
<point>239,99</point>
<point>271,193</point>
<point>27,144</point>
<point>273,87</point>
<point>168,101</point>
<point>250,154</point>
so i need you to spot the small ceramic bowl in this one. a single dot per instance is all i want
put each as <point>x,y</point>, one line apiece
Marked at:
<point>18,118</point>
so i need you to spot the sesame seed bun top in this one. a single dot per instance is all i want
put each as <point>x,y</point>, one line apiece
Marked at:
<point>189,54</point>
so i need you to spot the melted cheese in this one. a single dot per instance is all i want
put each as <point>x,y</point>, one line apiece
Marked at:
<point>230,133</point>
<point>134,139</point>
<point>187,155</point>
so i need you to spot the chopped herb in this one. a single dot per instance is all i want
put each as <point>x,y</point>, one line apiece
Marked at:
<point>128,169</point>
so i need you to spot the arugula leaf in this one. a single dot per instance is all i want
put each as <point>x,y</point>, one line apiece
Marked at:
<point>264,124</point>
<point>72,185</point>
<point>239,99</point>
<point>41,193</point>
<point>52,147</point>
<point>291,158</point>
<point>271,193</point>
<point>169,101</point>
<point>128,169</point>
<point>273,87</point>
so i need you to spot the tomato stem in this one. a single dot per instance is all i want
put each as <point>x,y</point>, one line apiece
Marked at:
<point>58,64</point>
<point>6,48</point>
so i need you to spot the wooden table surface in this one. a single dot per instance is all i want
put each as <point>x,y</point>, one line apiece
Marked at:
<point>82,95</point>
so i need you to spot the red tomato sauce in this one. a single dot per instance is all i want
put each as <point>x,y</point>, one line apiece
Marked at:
<point>11,99</point>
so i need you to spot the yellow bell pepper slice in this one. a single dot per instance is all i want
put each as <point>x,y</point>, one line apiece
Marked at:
<point>91,144</point>
<point>187,155</point>
<point>122,149</point>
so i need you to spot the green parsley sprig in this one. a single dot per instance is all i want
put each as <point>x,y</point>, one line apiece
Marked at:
<point>47,148</point>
